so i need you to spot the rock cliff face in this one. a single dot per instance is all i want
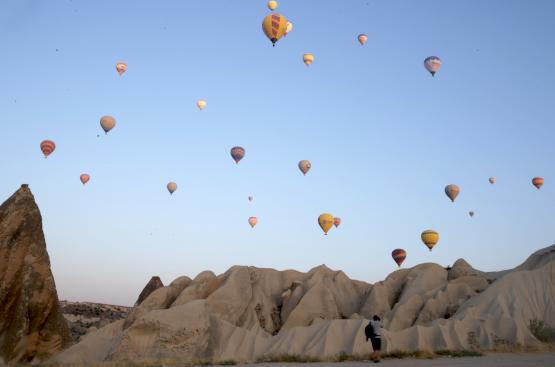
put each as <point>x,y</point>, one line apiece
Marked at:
<point>32,327</point>
<point>153,284</point>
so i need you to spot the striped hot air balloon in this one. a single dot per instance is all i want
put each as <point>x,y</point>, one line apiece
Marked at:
<point>432,64</point>
<point>336,221</point>
<point>430,238</point>
<point>274,27</point>
<point>399,255</point>
<point>237,153</point>
<point>84,178</point>
<point>47,147</point>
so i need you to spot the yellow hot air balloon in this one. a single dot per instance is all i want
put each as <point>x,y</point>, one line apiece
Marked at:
<point>430,238</point>
<point>274,27</point>
<point>326,222</point>
<point>201,104</point>
<point>272,5</point>
<point>308,59</point>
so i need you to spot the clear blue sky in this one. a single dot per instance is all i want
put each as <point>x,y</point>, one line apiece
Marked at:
<point>383,136</point>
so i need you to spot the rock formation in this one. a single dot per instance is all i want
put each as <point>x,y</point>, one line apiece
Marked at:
<point>248,313</point>
<point>32,327</point>
<point>153,284</point>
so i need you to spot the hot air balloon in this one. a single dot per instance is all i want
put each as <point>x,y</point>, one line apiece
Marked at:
<point>107,123</point>
<point>336,221</point>
<point>172,186</point>
<point>362,38</point>
<point>237,153</point>
<point>288,28</point>
<point>308,59</point>
<point>399,255</point>
<point>452,191</point>
<point>471,213</point>
<point>430,238</point>
<point>538,182</point>
<point>305,166</point>
<point>47,147</point>
<point>432,64</point>
<point>326,222</point>
<point>253,221</point>
<point>274,27</point>
<point>121,67</point>
<point>84,178</point>
<point>250,198</point>
<point>492,180</point>
<point>272,5</point>
<point>201,104</point>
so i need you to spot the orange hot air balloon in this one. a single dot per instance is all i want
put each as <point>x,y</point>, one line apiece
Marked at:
<point>399,255</point>
<point>538,182</point>
<point>253,221</point>
<point>452,191</point>
<point>84,178</point>
<point>362,38</point>
<point>107,123</point>
<point>47,147</point>
<point>336,222</point>
<point>172,186</point>
<point>201,104</point>
<point>274,27</point>
<point>305,166</point>
<point>121,67</point>
<point>492,180</point>
<point>237,153</point>
<point>308,59</point>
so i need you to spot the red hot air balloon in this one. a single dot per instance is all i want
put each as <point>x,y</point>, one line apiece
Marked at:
<point>47,147</point>
<point>399,255</point>
<point>237,153</point>
<point>253,221</point>
<point>336,222</point>
<point>84,178</point>
<point>538,182</point>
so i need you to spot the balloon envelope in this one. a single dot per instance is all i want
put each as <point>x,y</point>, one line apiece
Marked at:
<point>121,68</point>
<point>362,38</point>
<point>430,238</point>
<point>237,153</point>
<point>305,166</point>
<point>452,191</point>
<point>471,213</point>
<point>250,198</point>
<point>253,221</point>
<point>288,28</point>
<point>432,64</point>
<point>272,5</point>
<point>308,59</point>
<point>274,27</point>
<point>399,255</point>
<point>538,182</point>
<point>492,180</point>
<point>47,147</point>
<point>84,178</point>
<point>107,123</point>
<point>172,186</point>
<point>201,104</point>
<point>336,221</point>
<point>326,222</point>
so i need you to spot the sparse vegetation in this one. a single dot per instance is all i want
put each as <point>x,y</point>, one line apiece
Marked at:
<point>288,358</point>
<point>541,331</point>
<point>458,353</point>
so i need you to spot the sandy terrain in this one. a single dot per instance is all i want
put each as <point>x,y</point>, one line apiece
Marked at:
<point>491,360</point>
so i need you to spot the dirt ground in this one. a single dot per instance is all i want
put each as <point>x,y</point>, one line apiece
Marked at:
<point>490,360</point>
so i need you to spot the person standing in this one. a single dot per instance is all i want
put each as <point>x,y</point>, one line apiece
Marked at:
<point>373,332</point>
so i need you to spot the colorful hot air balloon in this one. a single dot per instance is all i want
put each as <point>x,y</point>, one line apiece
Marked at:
<point>172,186</point>
<point>308,59</point>
<point>253,221</point>
<point>288,28</point>
<point>326,222</point>
<point>492,180</point>
<point>250,198</point>
<point>274,27</point>
<point>362,38</point>
<point>237,153</point>
<point>471,213</point>
<point>121,67</point>
<point>399,255</point>
<point>452,191</point>
<point>336,221</point>
<point>107,123</point>
<point>430,238</point>
<point>538,182</point>
<point>432,64</point>
<point>201,104</point>
<point>305,166</point>
<point>272,5</point>
<point>84,178</point>
<point>47,147</point>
